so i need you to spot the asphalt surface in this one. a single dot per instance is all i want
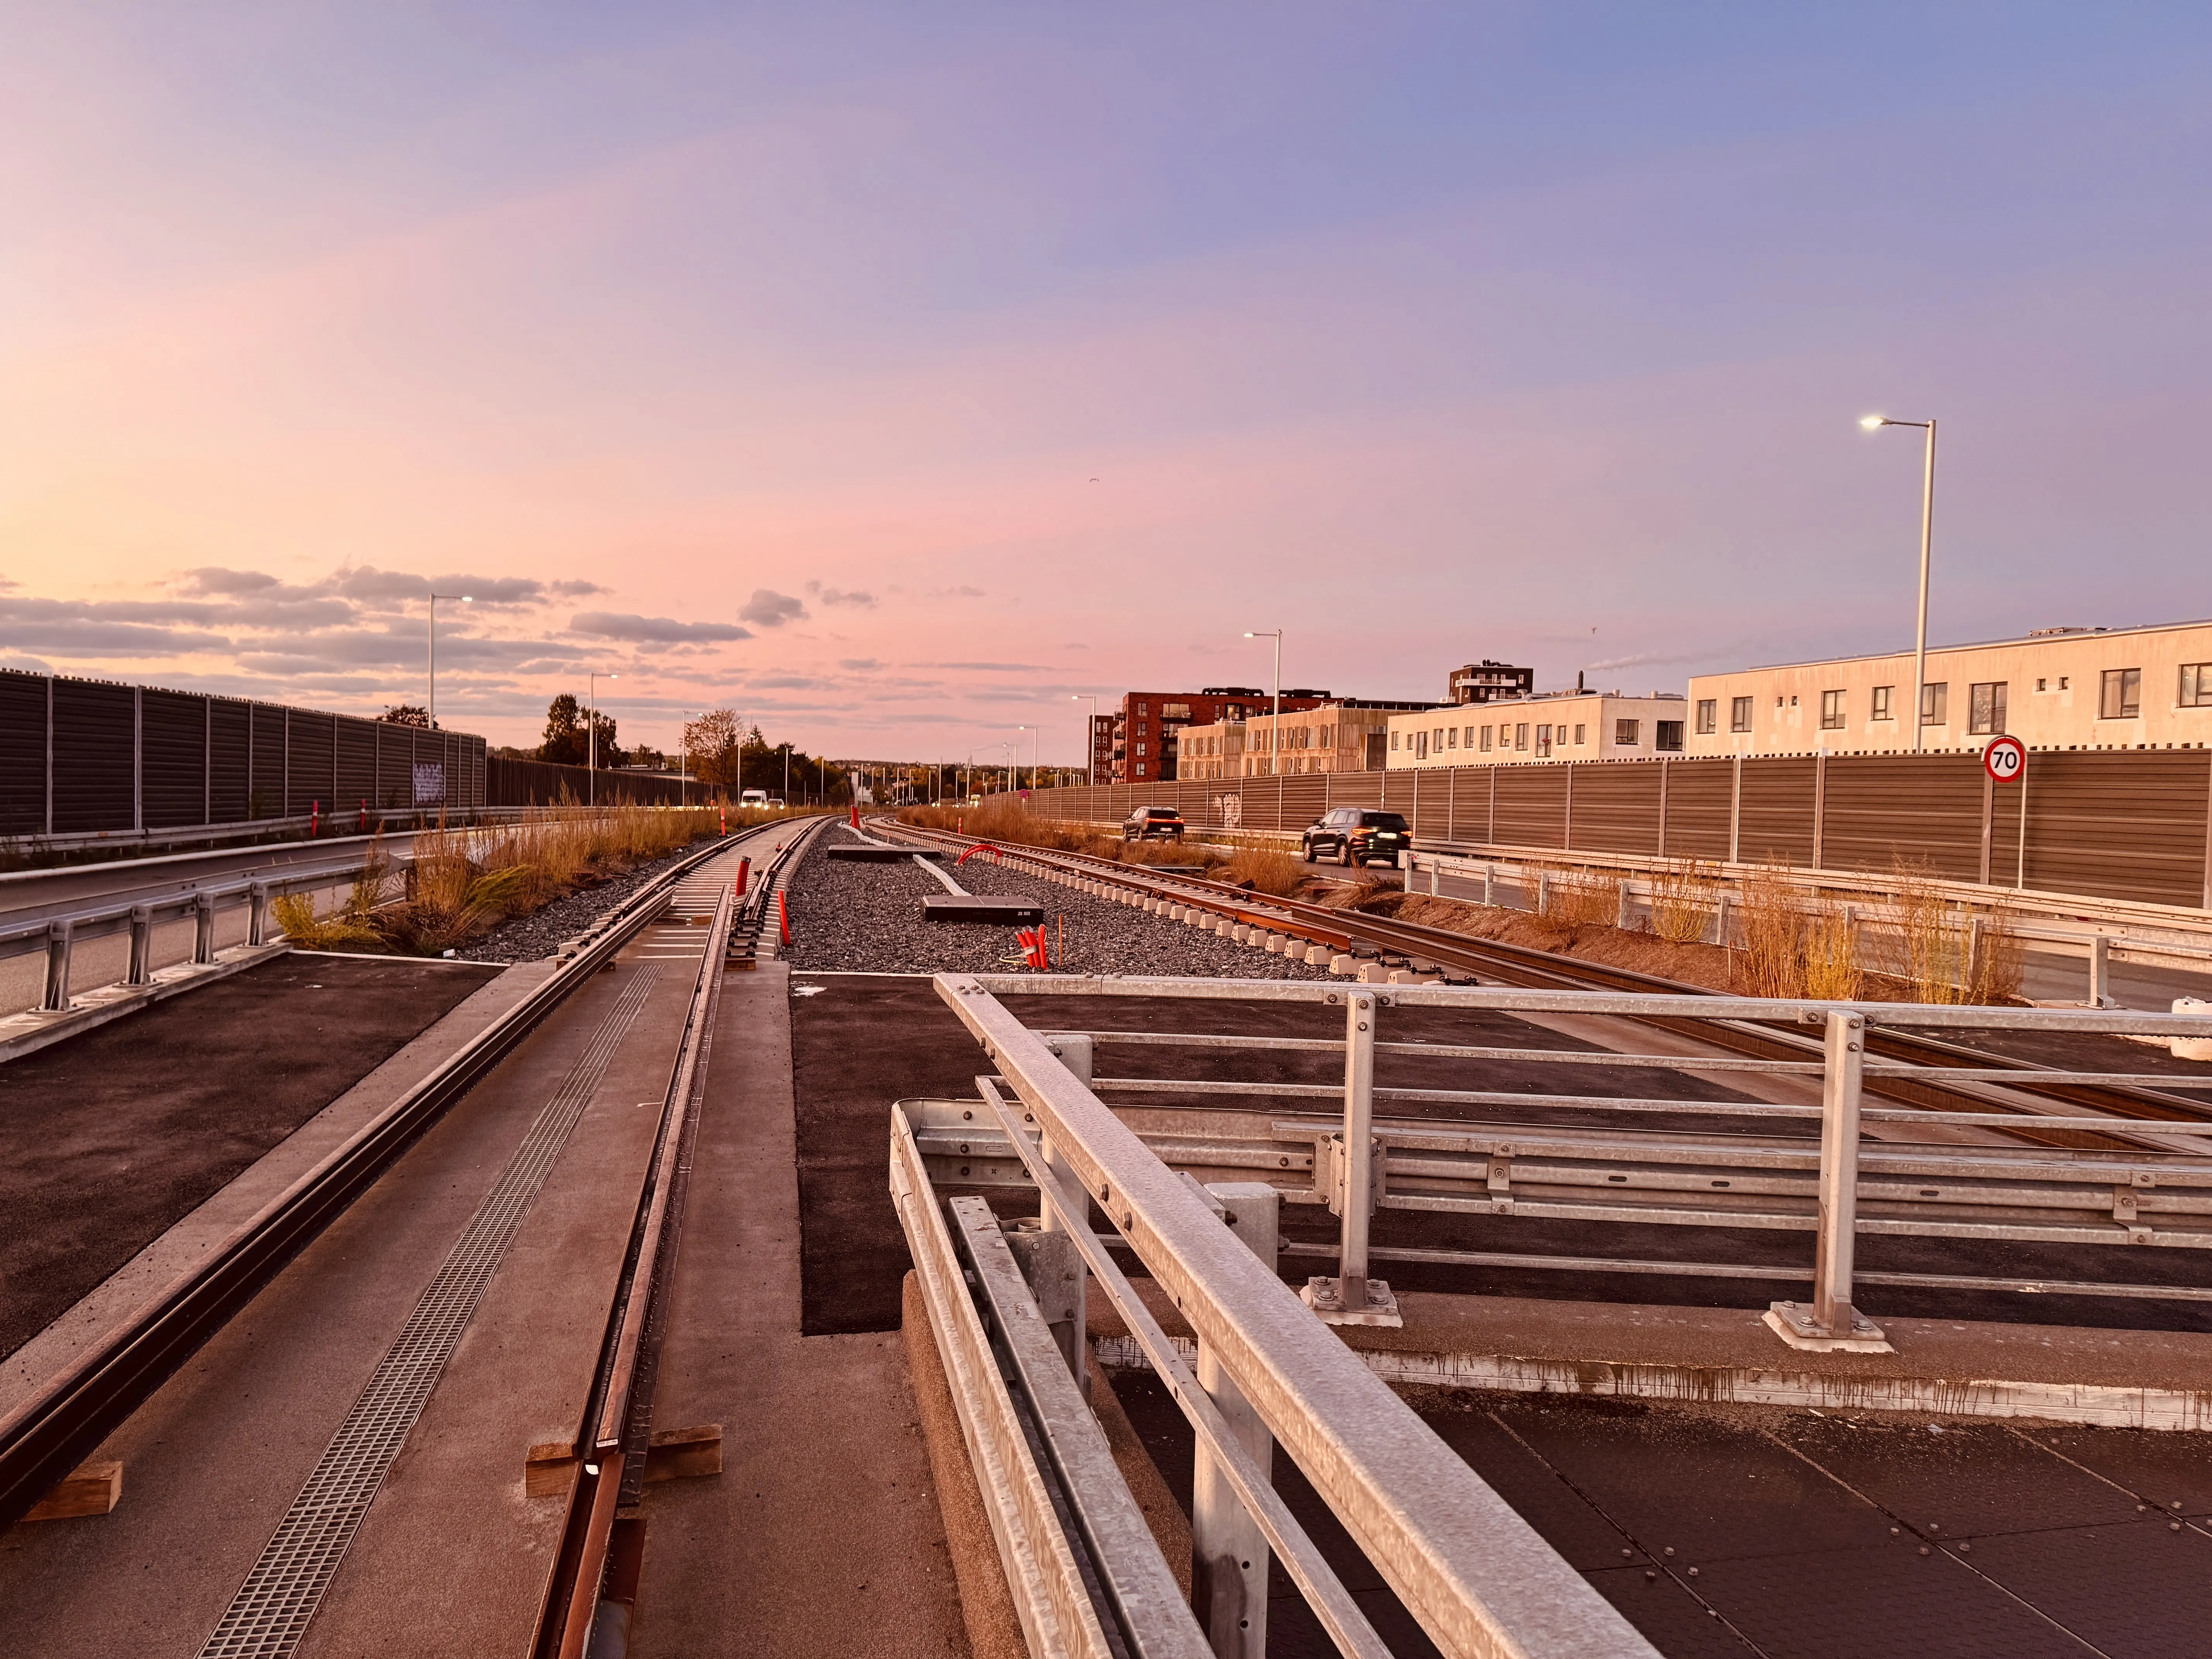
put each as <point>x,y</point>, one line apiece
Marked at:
<point>1737,1532</point>
<point>108,1137</point>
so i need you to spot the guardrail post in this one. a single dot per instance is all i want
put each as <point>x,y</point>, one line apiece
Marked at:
<point>1721,908</point>
<point>56,998</point>
<point>141,971</point>
<point>1831,1321</point>
<point>1228,1552</point>
<point>1490,883</point>
<point>1436,877</point>
<point>257,914</point>
<point>1352,1297</point>
<point>1626,900</point>
<point>1075,1053</point>
<point>2101,971</point>
<point>203,928</point>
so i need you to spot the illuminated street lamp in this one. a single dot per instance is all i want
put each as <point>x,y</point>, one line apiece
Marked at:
<point>1089,735</point>
<point>1874,423</point>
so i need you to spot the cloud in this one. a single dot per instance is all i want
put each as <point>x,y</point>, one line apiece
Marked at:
<point>215,578</point>
<point>653,630</point>
<point>786,682</point>
<point>772,609</point>
<point>991,667</point>
<point>576,590</point>
<point>853,597</point>
<point>955,594</point>
<point>859,665</point>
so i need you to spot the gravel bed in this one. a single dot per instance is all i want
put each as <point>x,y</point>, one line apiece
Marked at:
<point>867,918</point>
<point>539,935</point>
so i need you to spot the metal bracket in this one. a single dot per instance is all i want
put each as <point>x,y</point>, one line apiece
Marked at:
<point>1381,1309</point>
<point>1794,1323</point>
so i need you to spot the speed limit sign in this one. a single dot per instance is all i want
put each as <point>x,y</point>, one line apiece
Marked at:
<point>2005,760</point>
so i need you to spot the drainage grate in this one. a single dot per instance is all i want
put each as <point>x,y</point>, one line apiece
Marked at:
<point>272,1610</point>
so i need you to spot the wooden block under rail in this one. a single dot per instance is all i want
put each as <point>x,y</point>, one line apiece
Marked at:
<point>95,1489</point>
<point>672,1455</point>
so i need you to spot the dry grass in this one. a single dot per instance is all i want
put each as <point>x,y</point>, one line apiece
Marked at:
<point>1946,952</point>
<point>1581,898</point>
<point>1264,871</point>
<point>1685,898</point>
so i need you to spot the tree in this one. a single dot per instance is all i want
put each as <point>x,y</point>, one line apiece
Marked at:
<point>714,744</point>
<point>566,741</point>
<point>407,713</point>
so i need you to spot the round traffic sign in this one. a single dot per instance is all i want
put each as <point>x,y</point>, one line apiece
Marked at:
<point>2005,759</point>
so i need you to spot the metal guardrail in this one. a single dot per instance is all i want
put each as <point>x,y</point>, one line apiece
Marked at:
<point>58,936</point>
<point>53,1430</point>
<point>1474,1574</point>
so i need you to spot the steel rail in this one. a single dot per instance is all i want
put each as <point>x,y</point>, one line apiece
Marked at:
<point>1520,965</point>
<point>580,1572</point>
<point>57,1428</point>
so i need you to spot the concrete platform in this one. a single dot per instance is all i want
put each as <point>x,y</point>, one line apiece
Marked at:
<point>982,909</point>
<point>27,1032</point>
<point>1953,1368</point>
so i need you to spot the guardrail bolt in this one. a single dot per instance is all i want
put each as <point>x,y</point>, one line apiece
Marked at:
<point>142,946</point>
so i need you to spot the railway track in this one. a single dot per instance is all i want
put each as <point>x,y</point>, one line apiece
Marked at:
<point>55,1427</point>
<point>1991,1082</point>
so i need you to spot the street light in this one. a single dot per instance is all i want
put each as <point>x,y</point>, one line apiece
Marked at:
<point>1089,736</point>
<point>1034,756</point>
<point>592,740</point>
<point>1275,737</point>
<point>433,710</point>
<point>1874,424</point>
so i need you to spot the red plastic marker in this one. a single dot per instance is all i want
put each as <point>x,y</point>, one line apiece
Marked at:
<point>856,815</point>
<point>726,818</point>
<point>314,818</point>
<point>364,815</point>
<point>744,869</point>
<point>782,917</point>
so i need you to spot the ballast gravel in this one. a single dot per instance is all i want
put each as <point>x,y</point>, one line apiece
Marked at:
<point>867,918</point>
<point>539,935</point>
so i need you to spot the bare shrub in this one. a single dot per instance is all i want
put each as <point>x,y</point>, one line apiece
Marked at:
<point>1268,871</point>
<point>1770,961</point>
<point>1831,970</point>
<point>342,930</point>
<point>1581,898</point>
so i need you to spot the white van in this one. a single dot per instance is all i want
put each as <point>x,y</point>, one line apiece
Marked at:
<point>753,798</point>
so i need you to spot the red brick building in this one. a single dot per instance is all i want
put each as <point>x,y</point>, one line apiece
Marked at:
<point>1144,734</point>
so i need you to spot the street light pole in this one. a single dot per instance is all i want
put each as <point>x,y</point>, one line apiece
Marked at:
<point>432,711</point>
<point>1874,423</point>
<point>786,776</point>
<point>1274,737</point>
<point>592,740</point>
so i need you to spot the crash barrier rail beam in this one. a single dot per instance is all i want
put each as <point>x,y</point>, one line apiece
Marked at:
<point>2176,940</point>
<point>2147,1184</point>
<point>58,936</point>
<point>55,1429</point>
<point>1475,1576</point>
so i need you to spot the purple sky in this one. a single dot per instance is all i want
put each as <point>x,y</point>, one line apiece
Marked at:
<point>893,373</point>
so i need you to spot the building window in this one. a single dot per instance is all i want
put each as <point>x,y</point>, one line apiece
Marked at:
<point>1453,739</point>
<point>1144,708</point>
<point>1628,733</point>
<point>1142,728</point>
<point>1709,716</point>
<point>1470,737</point>
<point>1420,745</point>
<point>2196,685</point>
<point>1936,703</point>
<point>2042,686</point>
<point>1485,739</point>
<point>1669,734</point>
<point>1140,768</point>
<point>1521,735</point>
<point>1543,741</point>
<point>1985,709</point>
<point>1738,713</point>
<point>1831,711</point>
<point>1882,710</point>
<point>1579,730</point>
<point>2122,699</point>
<point>1140,748</point>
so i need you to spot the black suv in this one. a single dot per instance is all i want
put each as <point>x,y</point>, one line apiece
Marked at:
<point>1357,836</point>
<point>1153,824</point>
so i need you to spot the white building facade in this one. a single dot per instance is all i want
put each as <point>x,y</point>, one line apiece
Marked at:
<point>1558,726</point>
<point>2132,687</point>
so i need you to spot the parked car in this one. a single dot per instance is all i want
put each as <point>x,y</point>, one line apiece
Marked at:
<point>1356,835</point>
<point>1153,824</point>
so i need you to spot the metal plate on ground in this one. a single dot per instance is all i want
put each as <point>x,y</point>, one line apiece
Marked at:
<point>982,909</point>
<point>858,854</point>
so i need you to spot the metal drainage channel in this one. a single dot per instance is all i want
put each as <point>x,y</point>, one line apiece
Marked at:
<point>273,1608</point>
<point>1535,969</point>
<point>53,1430</point>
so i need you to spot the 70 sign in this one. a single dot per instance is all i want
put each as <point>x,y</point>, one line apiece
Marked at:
<point>2005,760</point>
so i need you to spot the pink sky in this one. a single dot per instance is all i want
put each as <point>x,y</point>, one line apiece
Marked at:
<point>893,384</point>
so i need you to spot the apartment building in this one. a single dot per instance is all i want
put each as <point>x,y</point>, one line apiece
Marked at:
<point>1348,735</point>
<point>1147,730</point>
<point>1489,682</point>
<point>2058,687</point>
<point>1557,725</point>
